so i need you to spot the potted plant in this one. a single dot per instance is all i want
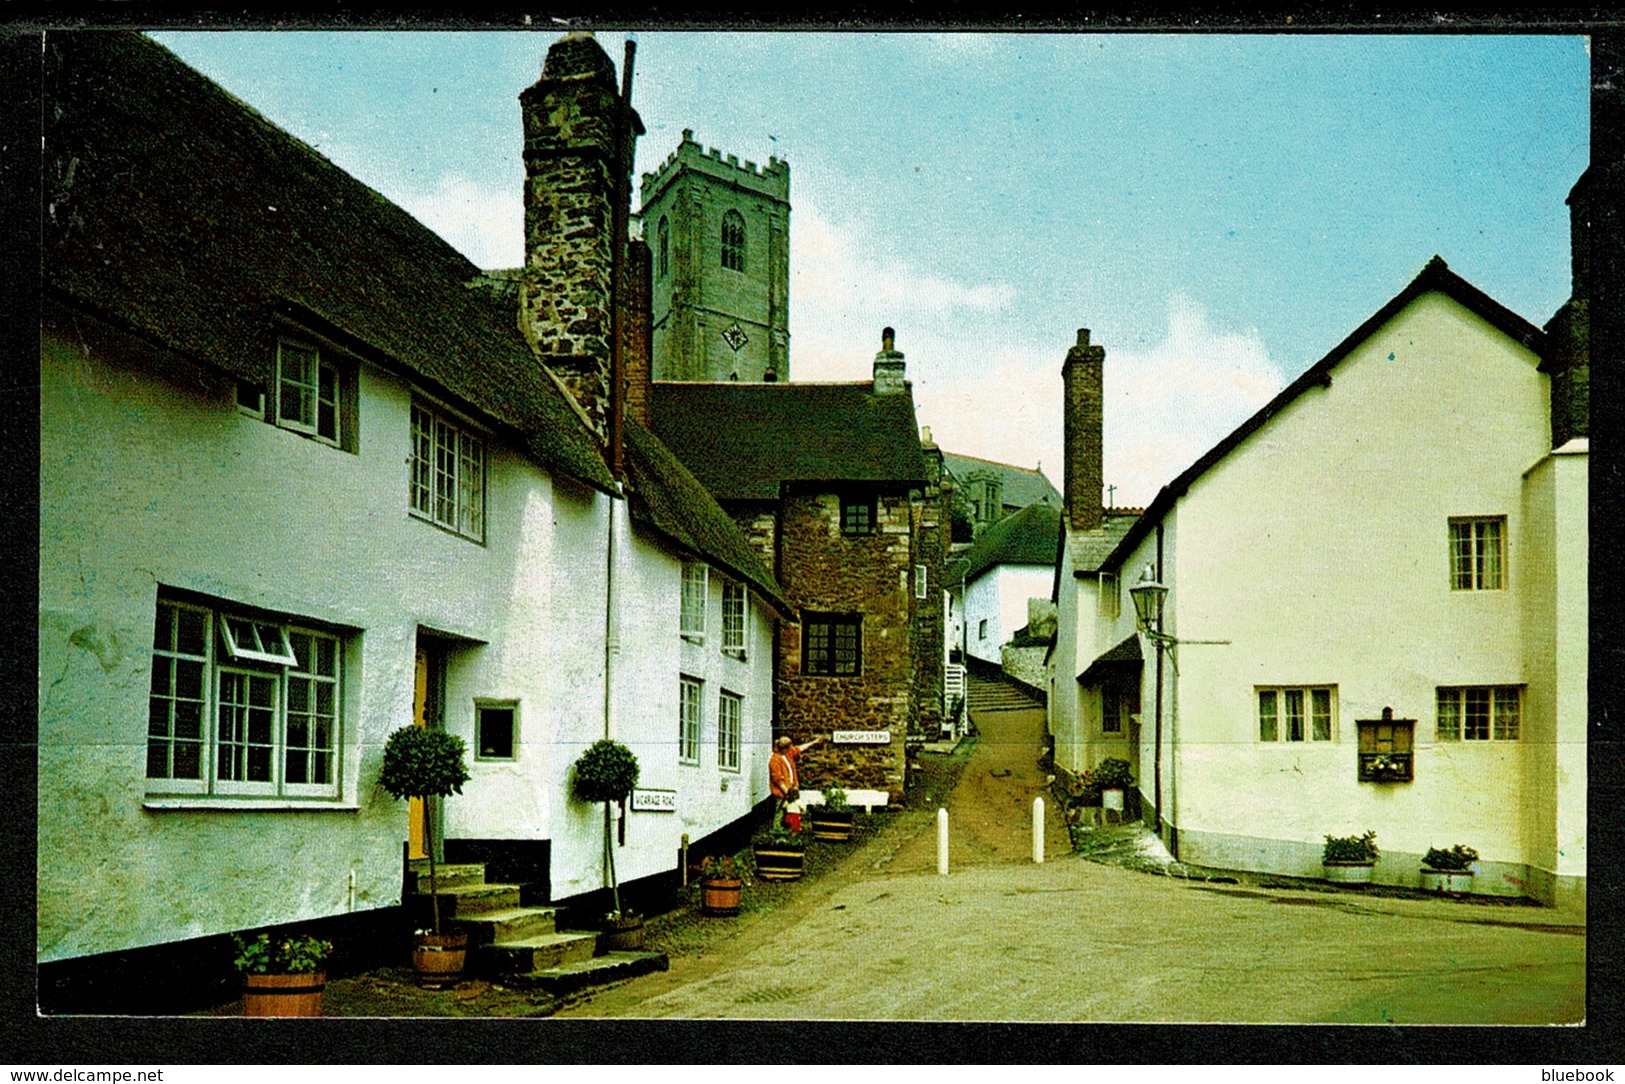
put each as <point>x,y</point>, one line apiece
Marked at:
<point>722,878</point>
<point>428,764</point>
<point>1448,871</point>
<point>780,854</point>
<point>1349,859</point>
<point>283,977</point>
<point>606,773</point>
<point>1112,777</point>
<point>833,819</point>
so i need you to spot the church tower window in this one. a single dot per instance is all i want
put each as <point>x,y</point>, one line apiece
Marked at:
<point>733,241</point>
<point>663,244</point>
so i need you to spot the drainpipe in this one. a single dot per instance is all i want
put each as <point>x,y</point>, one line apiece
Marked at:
<point>1157,759</point>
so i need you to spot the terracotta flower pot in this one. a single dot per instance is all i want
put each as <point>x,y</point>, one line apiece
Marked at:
<point>284,995</point>
<point>720,895</point>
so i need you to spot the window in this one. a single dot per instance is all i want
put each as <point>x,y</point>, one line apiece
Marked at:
<point>250,400</point>
<point>858,514</point>
<point>920,589</point>
<point>495,724</point>
<point>1479,713</point>
<point>832,645</point>
<point>1387,749</point>
<point>1296,714</point>
<point>733,241</point>
<point>695,584</point>
<point>688,722</point>
<point>981,629</point>
<point>733,618</point>
<point>1110,600</point>
<point>663,248</point>
<point>1111,718</point>
<point>1477,549</point>
<point>241,706</point>
<point>307,391</point>
<point>730,726</point>
<point>448,474</point>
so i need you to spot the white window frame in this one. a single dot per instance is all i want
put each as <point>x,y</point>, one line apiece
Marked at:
<point>696,592</point>
<point>730,729</point>
<point>1279,697</point>
<point>735,612</point>
<point>307,386</point>
<point>921,590</point>
<point>1479,566</point>
<point>227,659</point>
<point>690,719</point>
<point>481,706</point>
<point>1499,725</point>
<point>447,480</point>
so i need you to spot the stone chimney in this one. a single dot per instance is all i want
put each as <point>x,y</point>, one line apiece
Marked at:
<point>1568,332</point>
<point>637,331</point>
<point>888,365</point>
<point>1081,425</point>
<point>571,188</point>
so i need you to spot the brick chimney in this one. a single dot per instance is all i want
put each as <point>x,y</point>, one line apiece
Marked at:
<point>637,331</point>
<point>571,188</point>
<point>1568,332</point>
<point>1081,424</point>
<point>888,365</point>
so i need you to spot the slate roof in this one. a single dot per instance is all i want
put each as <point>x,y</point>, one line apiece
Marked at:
<point>1091,548</point>
<point>178,212</point>
<point>746,440</point>
<point>1436,276</point>
<point>668,499</point>
<point>1031,536</point>
<point>1125,655</point>
<point>1021,485</point>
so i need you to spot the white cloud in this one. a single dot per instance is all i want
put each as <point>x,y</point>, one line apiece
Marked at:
<point>1164,406</point>
<point>484,222</point>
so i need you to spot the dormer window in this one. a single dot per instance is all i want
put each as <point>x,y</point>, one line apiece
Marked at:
<point>733,241</point>
<point>308,391</point>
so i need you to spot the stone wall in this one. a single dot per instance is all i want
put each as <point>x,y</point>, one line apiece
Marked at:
<point>932,526</point>
<point>823,570</point>
<point>1026,664</point>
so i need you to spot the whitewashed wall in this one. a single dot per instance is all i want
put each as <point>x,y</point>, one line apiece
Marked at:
<point>1000,596</point>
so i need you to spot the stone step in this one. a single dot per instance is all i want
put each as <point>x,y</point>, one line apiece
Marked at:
<point>448,876</point>
<point>464,900</point>
<point>538,952</point>
<point>573,977</point>
<point>508,924</point>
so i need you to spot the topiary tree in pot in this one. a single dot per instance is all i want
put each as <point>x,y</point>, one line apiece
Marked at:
<point>426,764</point>
<point>606,773</point>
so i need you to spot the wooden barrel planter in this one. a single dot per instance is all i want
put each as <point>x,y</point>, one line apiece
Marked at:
<point>778,863</point>
<point>827,825</point>
<point>624,934</point>
<point>1347,873</point>
<point>439,957</point>
<point>284,995</point>
<point>721,895</point>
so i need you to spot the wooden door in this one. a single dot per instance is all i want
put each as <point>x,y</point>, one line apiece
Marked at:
<point>417,837</point>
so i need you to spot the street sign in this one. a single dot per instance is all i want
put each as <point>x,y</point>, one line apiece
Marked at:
<point>654,801</point>
<point>861,737</point>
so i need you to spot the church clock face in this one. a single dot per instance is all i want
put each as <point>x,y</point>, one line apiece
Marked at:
<point>735,337</point>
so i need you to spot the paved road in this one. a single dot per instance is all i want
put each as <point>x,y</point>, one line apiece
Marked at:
<point>1002,939</point>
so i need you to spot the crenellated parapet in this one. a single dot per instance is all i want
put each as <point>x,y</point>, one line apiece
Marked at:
<point>772,180</point>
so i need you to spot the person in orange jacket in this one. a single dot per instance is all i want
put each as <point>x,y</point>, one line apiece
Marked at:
<point>784,779</point>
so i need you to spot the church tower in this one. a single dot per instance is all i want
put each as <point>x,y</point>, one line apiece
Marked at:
<point>719,232</point>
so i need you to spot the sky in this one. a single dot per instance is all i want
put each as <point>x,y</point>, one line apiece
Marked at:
<point>1219,210</point>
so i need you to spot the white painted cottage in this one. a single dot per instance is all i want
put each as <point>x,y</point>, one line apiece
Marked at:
<point>303,482</point>
<point>1389,559</point>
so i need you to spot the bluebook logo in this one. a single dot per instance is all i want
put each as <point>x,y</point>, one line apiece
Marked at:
<point>1577,1075</point>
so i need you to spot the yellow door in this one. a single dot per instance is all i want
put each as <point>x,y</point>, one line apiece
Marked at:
<point>416,836</point>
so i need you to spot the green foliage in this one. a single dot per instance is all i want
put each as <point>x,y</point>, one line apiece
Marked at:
<point>606,772</point>
<point>423,763</point>
<point>1457,859</point>
<point>780,835</point>
<point>1350,848</point>
<point>721,867</point>
<point>1113,773</point>
<point>835,799</point>
<point>300,954</point>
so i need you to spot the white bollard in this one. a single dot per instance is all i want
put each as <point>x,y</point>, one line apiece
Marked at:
<point>1038,830</point>
<point>942,842</point>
